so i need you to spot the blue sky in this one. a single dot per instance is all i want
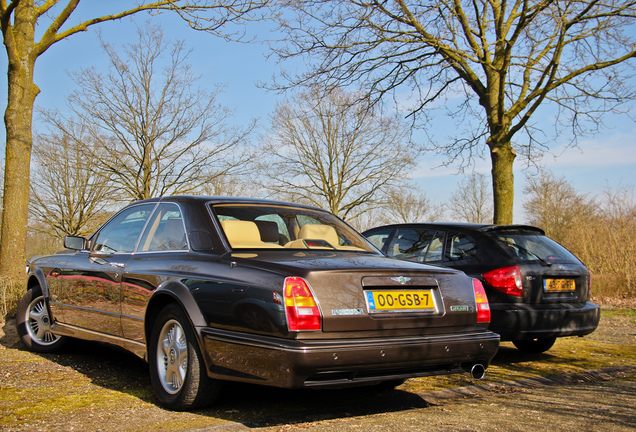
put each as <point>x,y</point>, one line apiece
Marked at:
<point>606,159</point>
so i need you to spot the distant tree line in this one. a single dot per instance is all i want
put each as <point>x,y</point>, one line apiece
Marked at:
<point>599,230</point>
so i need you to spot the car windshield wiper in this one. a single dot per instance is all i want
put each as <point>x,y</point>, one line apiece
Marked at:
<point>526,251</point>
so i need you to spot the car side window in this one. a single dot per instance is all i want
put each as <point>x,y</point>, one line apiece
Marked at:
<point>461,249</point>
<point>379,238</point>
<point>123,231</point>
<point>165,231</point>
<point>420,245</point>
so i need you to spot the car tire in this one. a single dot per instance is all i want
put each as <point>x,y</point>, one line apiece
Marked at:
<point>34,324</point>
<point>534,346</point>
<point>177,368</point>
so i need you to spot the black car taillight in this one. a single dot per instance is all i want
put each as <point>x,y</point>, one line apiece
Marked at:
<point>300,306</point>
<point>506,279</point>
<point>481,300</point>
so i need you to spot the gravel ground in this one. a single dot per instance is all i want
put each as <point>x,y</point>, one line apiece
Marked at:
<point>94,388</point>
<point>565,408</point>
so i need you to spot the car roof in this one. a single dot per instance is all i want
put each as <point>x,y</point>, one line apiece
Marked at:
<point>465,226</point>
<point>224,200</point>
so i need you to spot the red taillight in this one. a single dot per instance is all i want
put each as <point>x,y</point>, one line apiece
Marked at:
<point>300,306</point>
<point>507,280</point>
<point>483,307</point>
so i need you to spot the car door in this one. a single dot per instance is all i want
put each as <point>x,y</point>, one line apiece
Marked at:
<point>89,286</point>
<point>162,252</point>
<point>464,253</point>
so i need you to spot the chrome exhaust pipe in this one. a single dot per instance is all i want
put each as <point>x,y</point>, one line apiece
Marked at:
<point>478,371</point>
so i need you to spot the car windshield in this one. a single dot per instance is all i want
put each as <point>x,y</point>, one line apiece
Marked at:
<point>525,246</point>
<point>265,226</point>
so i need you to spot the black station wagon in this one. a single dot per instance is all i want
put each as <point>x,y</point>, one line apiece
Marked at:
<point>219,289</point>
<point>536,288</point>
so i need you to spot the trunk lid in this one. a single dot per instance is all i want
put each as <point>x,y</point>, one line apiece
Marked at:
<point>371,293</point>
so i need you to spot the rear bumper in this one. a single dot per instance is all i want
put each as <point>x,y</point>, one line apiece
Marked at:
<point>338,363</point>
<point>523,321</point>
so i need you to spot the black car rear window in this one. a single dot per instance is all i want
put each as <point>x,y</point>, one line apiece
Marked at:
<point>533,247</point>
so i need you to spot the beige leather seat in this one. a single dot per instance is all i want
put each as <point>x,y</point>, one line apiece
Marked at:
<point>244,234</point>
<point>315,232</point>
<point>319,232</point>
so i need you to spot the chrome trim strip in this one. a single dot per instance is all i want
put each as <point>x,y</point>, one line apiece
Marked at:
<point>69,306</point>
<point>137,348</point>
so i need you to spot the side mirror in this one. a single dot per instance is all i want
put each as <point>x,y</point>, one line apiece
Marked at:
<point>74,242</point>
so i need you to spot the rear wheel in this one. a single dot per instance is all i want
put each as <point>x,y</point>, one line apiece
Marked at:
<point>177,369</point>
<point>534,346</point>
<point>34,324</point>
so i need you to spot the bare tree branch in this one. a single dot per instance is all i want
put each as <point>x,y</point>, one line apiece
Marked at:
<point>502,62</point>
<point>334,153</point>
<point>165,135</point>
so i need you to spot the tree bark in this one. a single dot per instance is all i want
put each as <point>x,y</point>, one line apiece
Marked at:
<point>503,180</point>
<point>18,119</point>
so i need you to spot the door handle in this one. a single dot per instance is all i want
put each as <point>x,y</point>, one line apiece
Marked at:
<point>117,265</point>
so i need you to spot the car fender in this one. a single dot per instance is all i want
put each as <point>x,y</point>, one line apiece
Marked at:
<point>36,277</point>
<point>275,312</point>
<point>173,291</point>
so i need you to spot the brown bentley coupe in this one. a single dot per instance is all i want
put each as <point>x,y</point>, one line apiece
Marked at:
<point>213,289</point>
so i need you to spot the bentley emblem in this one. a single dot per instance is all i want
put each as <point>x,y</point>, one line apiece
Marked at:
<point>401,279</point>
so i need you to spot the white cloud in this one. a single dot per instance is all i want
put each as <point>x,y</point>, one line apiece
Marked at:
<point>618,148</point>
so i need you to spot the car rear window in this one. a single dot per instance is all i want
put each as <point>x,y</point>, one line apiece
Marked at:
<point>533,247</point>
<point>247,226</point>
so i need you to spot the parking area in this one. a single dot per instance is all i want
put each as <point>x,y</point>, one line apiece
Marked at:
<point>607,405</point>
<point>580,384</point>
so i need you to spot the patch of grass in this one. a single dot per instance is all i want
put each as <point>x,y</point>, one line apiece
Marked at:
<point>629,313</point>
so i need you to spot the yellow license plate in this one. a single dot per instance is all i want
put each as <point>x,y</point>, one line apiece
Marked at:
<point>556,285</point>
<point>400,300</point>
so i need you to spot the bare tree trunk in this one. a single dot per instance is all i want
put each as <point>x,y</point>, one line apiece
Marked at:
<point>503,181</point>
<point>18,118</point>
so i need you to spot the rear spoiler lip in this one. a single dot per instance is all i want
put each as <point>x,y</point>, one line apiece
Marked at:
<point>487,228</point>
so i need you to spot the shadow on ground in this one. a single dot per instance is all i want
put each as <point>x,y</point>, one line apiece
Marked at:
<point>117,370</point>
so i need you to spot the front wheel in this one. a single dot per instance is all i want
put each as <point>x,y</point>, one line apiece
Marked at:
<point>177,369</point>
<point>534,346</point>
<point>34,324</point>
